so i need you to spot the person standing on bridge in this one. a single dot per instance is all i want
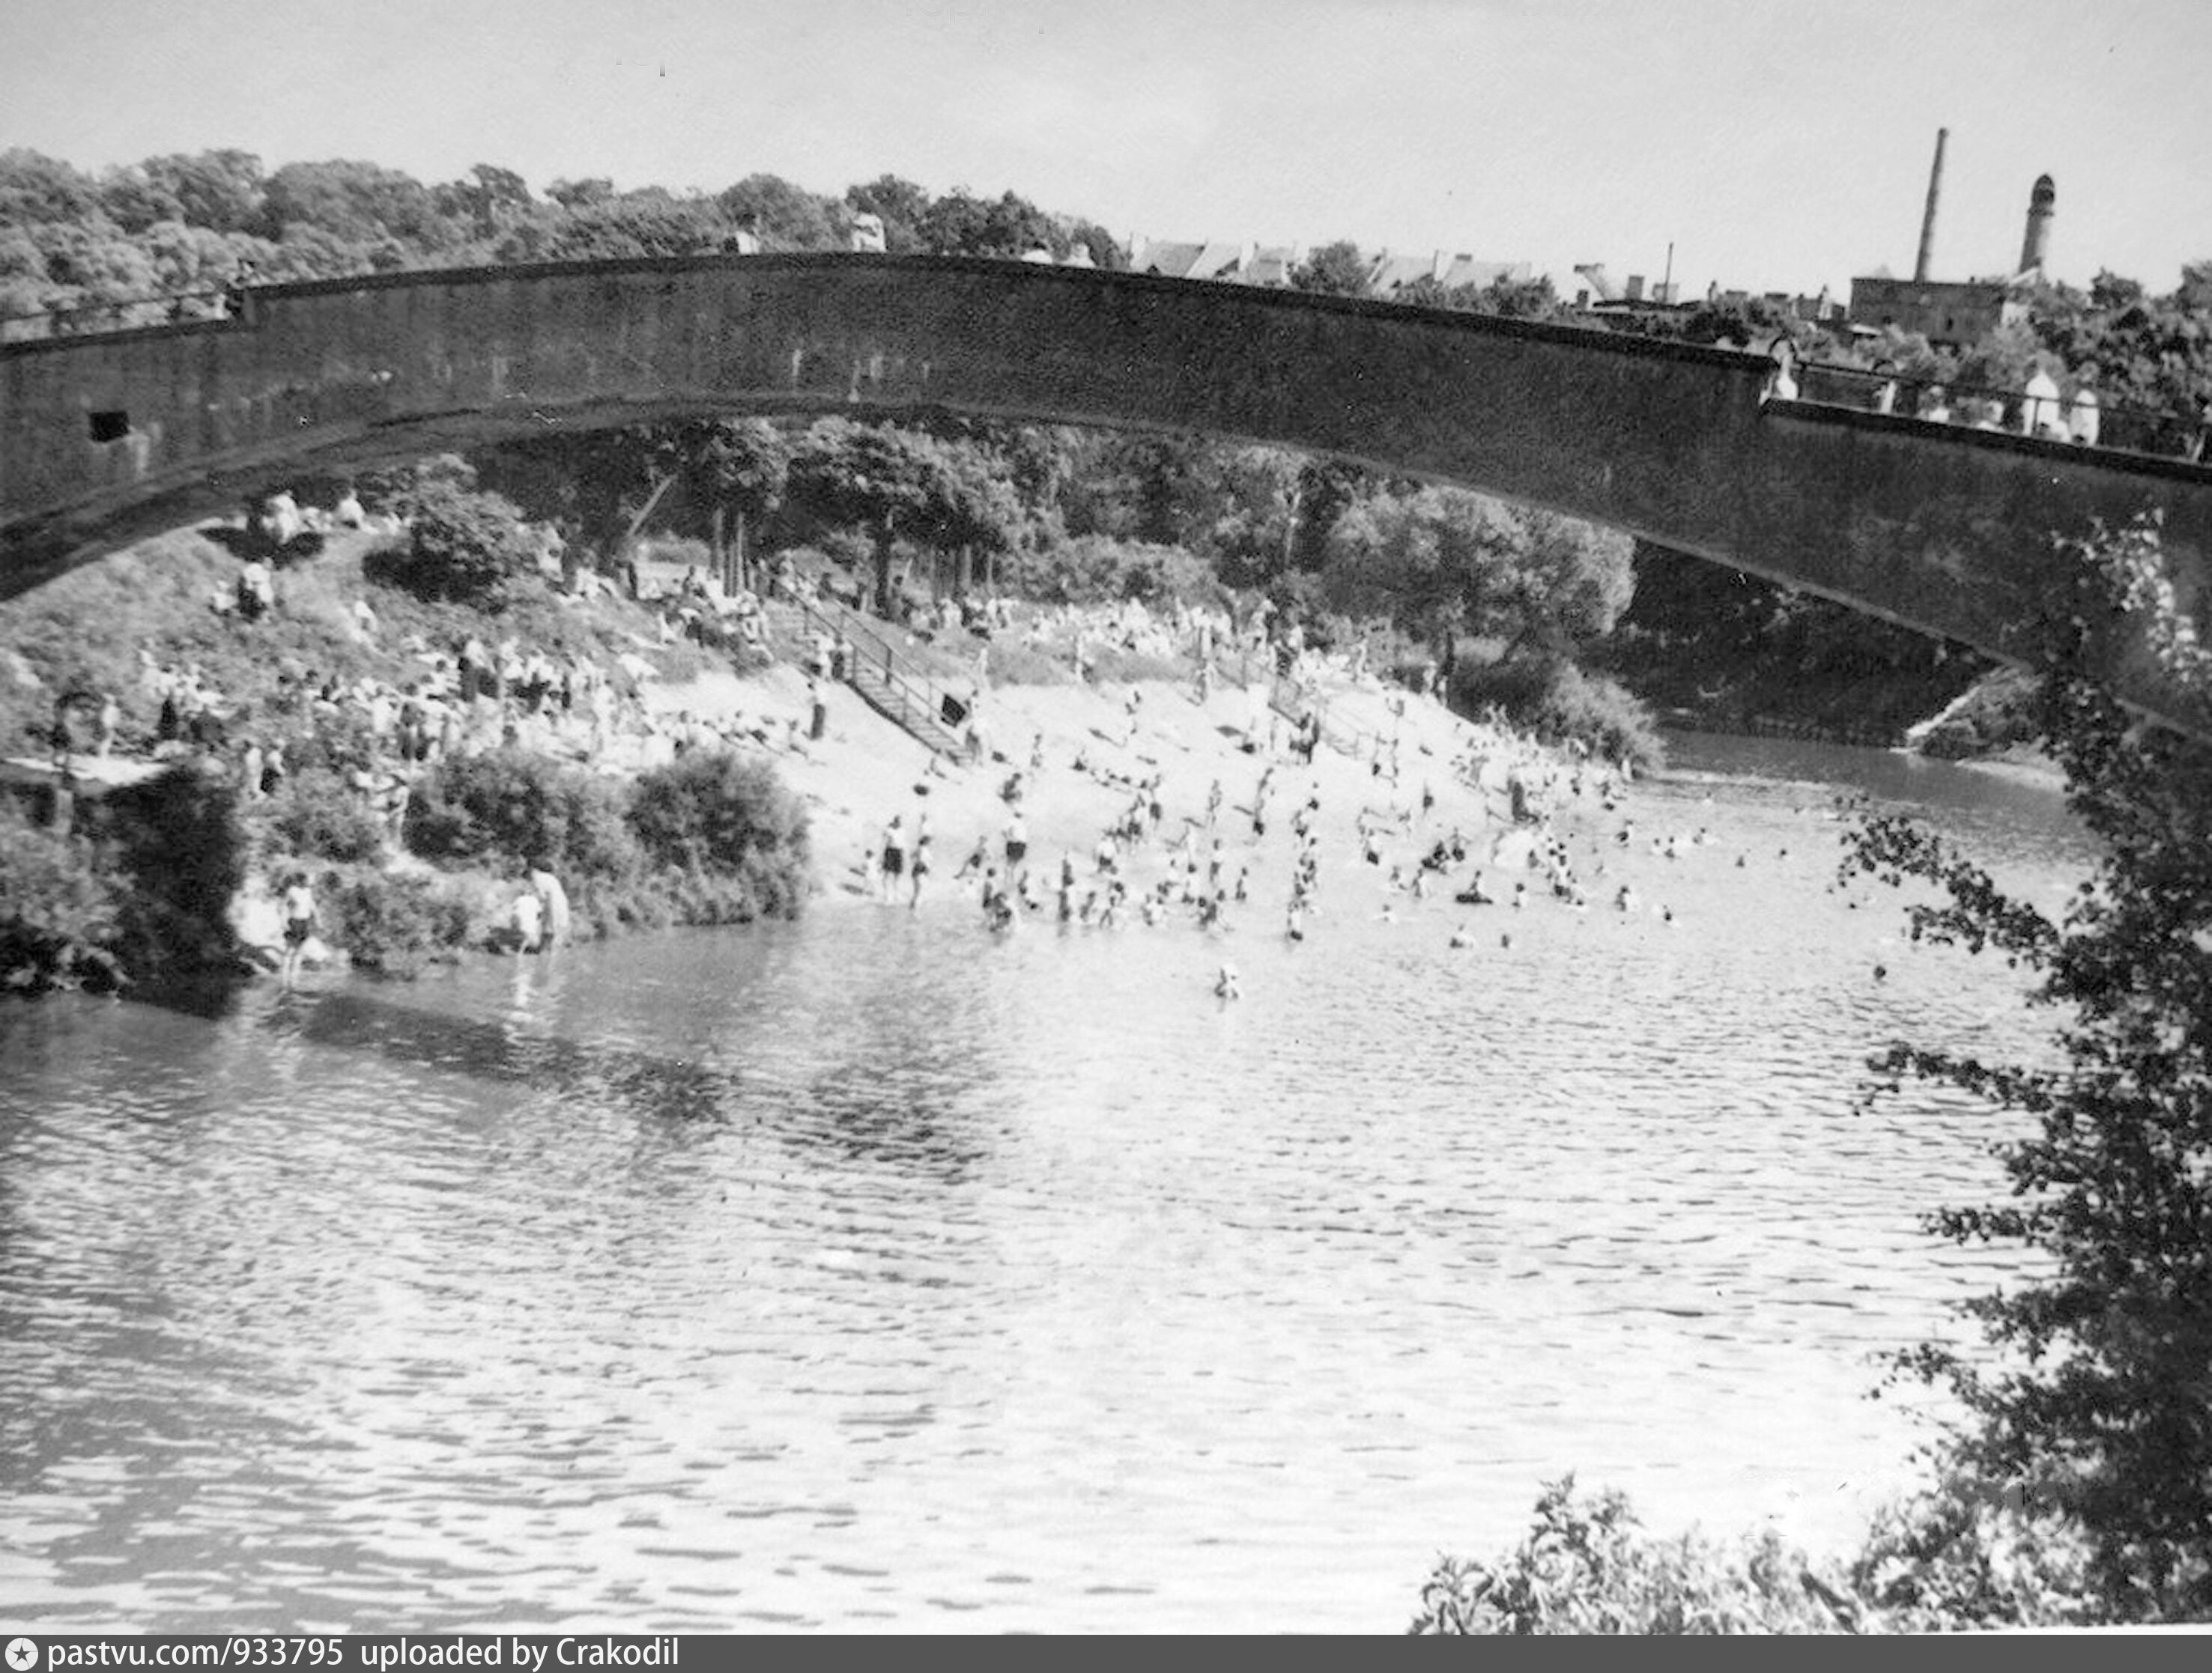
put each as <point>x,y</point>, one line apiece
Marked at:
<point>2039,410</point>
<point>2081,417</point>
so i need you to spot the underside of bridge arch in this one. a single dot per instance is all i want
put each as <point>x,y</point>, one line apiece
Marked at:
<point>1950,532</point>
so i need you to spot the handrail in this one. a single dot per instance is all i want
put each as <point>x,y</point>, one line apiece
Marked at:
<point>169,300</point>
<point>1350,741</point>
<point>913,691</point>
<point>2118,426</point>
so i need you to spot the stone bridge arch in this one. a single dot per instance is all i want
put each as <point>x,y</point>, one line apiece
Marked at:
<point>1940,529</point>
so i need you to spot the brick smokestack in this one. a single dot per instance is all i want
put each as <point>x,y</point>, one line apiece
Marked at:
<point>2036,244</point>
<point>1928,218</point>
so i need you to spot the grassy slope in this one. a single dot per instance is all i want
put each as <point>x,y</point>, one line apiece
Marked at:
<point>85,630</point>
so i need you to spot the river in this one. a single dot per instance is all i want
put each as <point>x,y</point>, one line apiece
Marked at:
<point>872,1274</point>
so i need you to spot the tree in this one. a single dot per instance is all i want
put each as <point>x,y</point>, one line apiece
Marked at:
<point>34,187</point>
<point>1013,227</point>
<point>1333,269</point>
<point>729,468</point>
<point>627,227</point>
<point>784,216</point>
<point>899,203</point>
<point>960,224</point>
<point>462,546</point>
<point>220,190</point>
<point>581,194</point>
<point>886,480</point>
<point>134,201</point>
<point>1260,494</point>
<point>1442,561</point>
<point>1521,299</point>
<point>354,201</point>
<point>1101,244</point>
<point>488,200</point>
<point>2093,1408</point>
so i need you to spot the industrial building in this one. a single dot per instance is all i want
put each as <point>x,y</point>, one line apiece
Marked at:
<point>1956,312</point>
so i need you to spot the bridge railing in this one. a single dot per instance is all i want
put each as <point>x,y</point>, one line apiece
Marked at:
<point>124,313</point>
<point>2117,426</point>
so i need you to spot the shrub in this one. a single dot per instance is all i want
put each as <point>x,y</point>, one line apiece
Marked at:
<point>403,487</point>
<point>182,846</point>
<point>393,924</point>
<point>1100,569</point>
<point>1961,1558</point>
<point>1584,1567</point>
<point>713,813</point>
<point>1560,704</point>
<point>59,909</point>
<point>465,546</point>
<point>316,815</point>
<point>508,806</point>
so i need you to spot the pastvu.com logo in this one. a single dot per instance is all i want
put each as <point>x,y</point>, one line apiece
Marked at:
<point>22,1655</point>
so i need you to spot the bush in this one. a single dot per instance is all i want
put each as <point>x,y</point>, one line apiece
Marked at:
<point>181,843</point>
<point>715,814</point>
<point>1094,569</point>
<point>1961,1558</point>
<point>59,909</point>
<point>393,924</point>
<point>317,815</point>
<point>403,489</point>
<point>1560,704</point>
<point>464,547</point>
<point>510,806</point>
<point>1585,1568</point>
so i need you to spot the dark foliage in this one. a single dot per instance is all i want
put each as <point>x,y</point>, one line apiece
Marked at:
<point>2092,1408</point>
<point>510,808</point>
<point>464,547</point>
<point>712,812</point>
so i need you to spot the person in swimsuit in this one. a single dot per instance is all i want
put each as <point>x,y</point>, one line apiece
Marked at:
<point>299,924</point>
<point>893,864</point>
<point>921,867</point>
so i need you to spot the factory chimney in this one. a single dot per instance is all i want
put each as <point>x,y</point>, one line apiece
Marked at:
<point>1928,219</point>
<point>2036,245</point>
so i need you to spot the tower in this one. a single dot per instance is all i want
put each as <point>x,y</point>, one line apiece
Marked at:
<point>2036,245</point>
<point>1928,219</point>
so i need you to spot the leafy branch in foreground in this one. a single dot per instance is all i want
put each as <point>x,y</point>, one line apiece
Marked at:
<point>2089,1416</point>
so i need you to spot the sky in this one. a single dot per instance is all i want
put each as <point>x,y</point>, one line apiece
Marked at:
<point>1777,145</point>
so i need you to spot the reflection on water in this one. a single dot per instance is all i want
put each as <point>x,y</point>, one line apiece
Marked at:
<point>868,1272</point>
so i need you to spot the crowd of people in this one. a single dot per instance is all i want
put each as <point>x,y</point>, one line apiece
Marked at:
<point>1496,820</point>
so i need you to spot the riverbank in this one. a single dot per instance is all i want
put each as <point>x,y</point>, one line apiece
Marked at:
<point>412,759</point>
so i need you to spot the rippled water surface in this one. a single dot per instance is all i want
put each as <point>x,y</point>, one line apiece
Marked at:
<point>870,1273</point>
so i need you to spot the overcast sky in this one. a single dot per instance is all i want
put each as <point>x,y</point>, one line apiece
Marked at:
<point>1779,144</point>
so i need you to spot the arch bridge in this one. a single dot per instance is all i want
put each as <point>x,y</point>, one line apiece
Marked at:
<point>1946,531</point>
